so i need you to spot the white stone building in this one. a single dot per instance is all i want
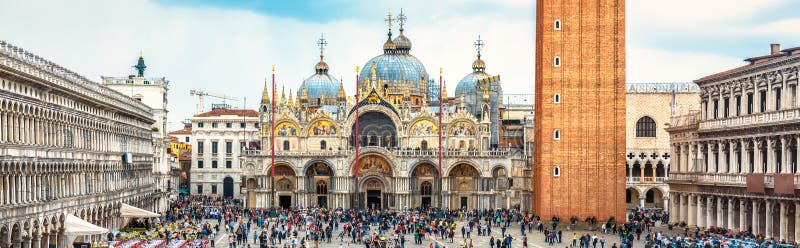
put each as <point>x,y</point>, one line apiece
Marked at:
<point>648,109</point>
<point>217,140</point>
<point>736,160</point>
<point>67,145</point>
<point>153,93</point>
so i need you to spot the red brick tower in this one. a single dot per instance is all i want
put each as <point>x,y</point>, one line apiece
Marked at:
<point>580,109</point>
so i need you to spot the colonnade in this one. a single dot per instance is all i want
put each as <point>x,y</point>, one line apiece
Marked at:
<point>772,217</point>
<point>765,154</point>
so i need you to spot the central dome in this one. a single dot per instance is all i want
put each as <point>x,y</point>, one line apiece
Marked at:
<point>395,69</point>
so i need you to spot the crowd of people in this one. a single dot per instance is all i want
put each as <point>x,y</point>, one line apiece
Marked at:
<point>199,221</point>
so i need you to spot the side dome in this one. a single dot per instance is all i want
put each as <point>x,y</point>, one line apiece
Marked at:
<point>468,86</point>
<point>402,42</point>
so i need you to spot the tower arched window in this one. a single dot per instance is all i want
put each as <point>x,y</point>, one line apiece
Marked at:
<point>645,127</point>
<point>557,61</point>
<point>556,171</point>
<point>557,134</point>
<point>556,98</point>
<point>557,24</point>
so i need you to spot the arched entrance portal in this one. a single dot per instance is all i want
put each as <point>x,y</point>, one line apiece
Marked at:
<point>631,197</point>
<point>373,192</point>
<point>285,185</point>
<point>463,186</point>
<point>375,174</point>
<point>375,129</point>
<point>423,179</point>
<point>318,180</point>
<point>227,187</point>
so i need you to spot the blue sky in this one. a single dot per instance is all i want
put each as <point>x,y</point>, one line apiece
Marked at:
<point>228,46</point>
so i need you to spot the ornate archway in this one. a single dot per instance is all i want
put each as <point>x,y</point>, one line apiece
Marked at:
<point>285,185</point>
<point>423,185</point>
<point>373,167</point>
<point>464,179</point>
<point>373,190</point>
<point>319,176</point>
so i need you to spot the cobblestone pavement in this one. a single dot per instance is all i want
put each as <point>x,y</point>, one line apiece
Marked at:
<point>535,239</point>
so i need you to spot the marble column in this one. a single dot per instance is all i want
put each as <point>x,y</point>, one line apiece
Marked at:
<point>721,157</point>
<point>757,160</point>
<point>731,214</point>
<point>742,214</point>
<point>641,201</point>
<point>771,161</point>
<point>768,225</point>
<point>712,157</point>
<point>700,217</point>
<point>710,211</point>
<point>673,210</point>
<point>755,215</point>
<point>720,213</point>
<point>797,219</point>
<point>783,229</point>
<point>684,204</point>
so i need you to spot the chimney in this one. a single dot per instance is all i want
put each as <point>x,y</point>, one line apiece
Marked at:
<point>776,48</point>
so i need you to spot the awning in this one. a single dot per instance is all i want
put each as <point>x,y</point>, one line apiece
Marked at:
<point>74,226</point>
<point>134,212</point>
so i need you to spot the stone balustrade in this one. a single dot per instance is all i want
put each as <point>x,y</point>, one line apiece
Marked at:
<point>759,119</point>
<point>60,77</point>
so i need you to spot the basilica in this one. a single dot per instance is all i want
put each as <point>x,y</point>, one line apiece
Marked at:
<point>399,143</point>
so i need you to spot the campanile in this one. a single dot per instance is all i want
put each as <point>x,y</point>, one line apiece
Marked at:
<point>580,109</point>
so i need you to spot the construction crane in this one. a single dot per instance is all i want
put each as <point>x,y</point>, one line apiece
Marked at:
<point>201,93</point>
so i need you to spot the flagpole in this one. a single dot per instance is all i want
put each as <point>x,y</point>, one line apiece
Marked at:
<point>356,140</point>
<point>272,136</point>
<point>441,112</point>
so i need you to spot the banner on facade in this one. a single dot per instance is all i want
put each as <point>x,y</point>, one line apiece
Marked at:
<point>755,183</point>
<point>784,184</point>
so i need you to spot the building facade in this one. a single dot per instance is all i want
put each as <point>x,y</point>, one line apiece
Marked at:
<point>580,109</point>
<point>153,93</point>
<point>648,111</point>
<point>381,149</point>
<point>67,145</point>
<point>219,136</point>
<point>736,158</point>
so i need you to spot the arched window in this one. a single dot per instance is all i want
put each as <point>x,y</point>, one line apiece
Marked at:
<point>425,188</point>
<point>556,98</point>
<point>556,171</point>
<point>645,127</point>
<point>424,145</point>
<point>557,24</point>
<point>323,145</point>
<point>285,145</point>
<point>557,61</point>
<point>322,187</point>
<point>557,134</point>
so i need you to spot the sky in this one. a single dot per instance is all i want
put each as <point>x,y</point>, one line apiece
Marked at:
<point>228,46</point>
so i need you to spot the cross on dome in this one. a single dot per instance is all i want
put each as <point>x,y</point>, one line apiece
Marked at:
<point>479,45</point>
<point>322,43</point>
<point>401,19</point>
<point>389,20</point>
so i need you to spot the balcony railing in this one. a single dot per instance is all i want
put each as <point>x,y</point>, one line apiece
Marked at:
<point>729,179</point>
<point>766,118</point>
<point>401,153</point>
<point>646,179</point>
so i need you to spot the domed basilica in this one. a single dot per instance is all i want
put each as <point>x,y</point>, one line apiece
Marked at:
<point>381,147</point>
